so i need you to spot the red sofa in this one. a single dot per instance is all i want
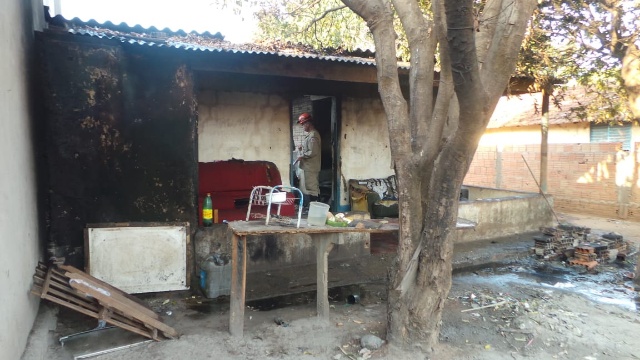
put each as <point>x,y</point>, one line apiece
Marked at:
<point>230,183</point>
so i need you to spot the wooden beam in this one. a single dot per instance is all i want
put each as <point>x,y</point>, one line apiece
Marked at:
<point>294,67</point>
<point>238,284</point>
<point>324,244</point>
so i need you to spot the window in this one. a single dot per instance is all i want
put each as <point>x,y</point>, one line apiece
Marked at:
<point>611,133</point>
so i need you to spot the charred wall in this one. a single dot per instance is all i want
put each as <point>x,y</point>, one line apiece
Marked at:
<point>121,137</point>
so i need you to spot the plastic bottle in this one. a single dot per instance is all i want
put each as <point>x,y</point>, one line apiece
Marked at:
<point>207,211</point>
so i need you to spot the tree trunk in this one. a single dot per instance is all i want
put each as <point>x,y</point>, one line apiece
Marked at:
<point>631,77</point>
<point>432,146</point>
<point>544,139</point>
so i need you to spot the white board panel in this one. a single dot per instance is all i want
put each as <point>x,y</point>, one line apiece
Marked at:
<point>139,259</point>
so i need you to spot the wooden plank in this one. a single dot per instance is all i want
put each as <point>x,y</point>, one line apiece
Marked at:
<point>45,285</point>
<point>257,227</point>
<point>60,292</point>
<point>41,273</point>
<point>324,244</point>
<point>59,277</point>
<point>154,333</point>
<point>109,296</point>
<point>93,307</point>
<point>36,290</point>
<point>69,305</point>
<point>117,293</point>
<point>105,313</point>
<point>290,67</point>
<point>84,284</point>
<point>38,280</point>
<point>238,285</point>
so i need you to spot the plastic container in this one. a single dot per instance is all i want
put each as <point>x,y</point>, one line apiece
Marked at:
<point>215,276</point>
<point>317,213</point>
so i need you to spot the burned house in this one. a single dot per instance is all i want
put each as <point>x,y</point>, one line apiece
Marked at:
<point>132,115</point>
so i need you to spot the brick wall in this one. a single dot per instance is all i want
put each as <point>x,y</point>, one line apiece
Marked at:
<point>299,106</point>
<point>596,179</point>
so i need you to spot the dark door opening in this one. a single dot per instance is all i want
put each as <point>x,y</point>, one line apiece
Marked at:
<point>323,110</point>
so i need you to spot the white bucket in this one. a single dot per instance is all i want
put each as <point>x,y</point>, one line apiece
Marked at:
<point>317,213</point>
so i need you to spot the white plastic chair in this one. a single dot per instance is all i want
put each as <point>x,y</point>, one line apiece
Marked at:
<point>267,195</point>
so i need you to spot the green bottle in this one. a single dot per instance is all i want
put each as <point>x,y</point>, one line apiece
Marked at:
<point>207,211</point>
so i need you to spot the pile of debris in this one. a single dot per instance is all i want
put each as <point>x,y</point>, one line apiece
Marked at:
<point>578,246</point>
<point>67,286</point>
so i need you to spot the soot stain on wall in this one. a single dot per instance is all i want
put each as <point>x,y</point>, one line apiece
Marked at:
<point>265,247</point>
<point>120,127</point>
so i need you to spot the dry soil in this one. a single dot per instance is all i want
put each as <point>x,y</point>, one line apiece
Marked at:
<point>528,309</point>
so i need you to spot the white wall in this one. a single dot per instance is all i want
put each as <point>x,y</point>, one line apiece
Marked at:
<point>245,126</point>
<point>364,141</point>
<point>523,135</point>
<point>18,219</point>
<point>253,126</point>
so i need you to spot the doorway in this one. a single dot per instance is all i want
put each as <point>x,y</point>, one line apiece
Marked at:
<point>325,115</point>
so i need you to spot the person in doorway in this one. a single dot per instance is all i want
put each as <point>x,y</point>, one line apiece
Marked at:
<point>309,158</point>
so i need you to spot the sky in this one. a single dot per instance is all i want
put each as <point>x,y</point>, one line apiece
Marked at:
<point>188,15</point>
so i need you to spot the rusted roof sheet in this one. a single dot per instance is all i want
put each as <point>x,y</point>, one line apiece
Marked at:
<point>194,41</point>
<point>525,109</point>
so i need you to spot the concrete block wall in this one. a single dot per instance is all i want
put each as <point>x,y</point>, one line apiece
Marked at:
<point>598,179</point>
<point>499,213</point>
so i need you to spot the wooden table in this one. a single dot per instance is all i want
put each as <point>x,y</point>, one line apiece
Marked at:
<point>324,237</point>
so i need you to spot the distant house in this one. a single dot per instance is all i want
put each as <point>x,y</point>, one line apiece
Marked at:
<point>517,120</point>
<point>591,168</point>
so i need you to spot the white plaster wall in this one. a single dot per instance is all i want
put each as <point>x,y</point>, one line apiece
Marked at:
<point>364,142</point>
<point>18,217</point>
<point>253,126</point>
<point>558,134</point>
<point>247,126</point>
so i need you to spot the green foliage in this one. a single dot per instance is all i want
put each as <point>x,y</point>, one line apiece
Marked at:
<point>320,24</point>
<point>581,40</point>
<point>585,40</point>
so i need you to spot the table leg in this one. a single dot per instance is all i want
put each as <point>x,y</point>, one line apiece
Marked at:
<point>324,244</point>
<point>238,285</point>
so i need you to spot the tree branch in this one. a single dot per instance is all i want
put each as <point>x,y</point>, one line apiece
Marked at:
<point>419,31</point>
<point>324,14</point>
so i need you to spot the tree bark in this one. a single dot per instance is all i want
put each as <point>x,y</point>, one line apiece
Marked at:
<point>433,142</point>
<point>631,77</point>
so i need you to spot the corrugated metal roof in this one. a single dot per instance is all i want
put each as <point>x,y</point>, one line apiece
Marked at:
<point>194,41</point>
<point>124,27</point>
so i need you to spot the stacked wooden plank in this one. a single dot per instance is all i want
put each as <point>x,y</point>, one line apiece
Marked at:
<point>72,288</point>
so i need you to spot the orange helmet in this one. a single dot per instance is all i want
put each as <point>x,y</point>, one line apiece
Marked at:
<point>304,117</point>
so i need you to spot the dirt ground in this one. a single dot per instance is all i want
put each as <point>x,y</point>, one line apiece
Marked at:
<point>526,309</point>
